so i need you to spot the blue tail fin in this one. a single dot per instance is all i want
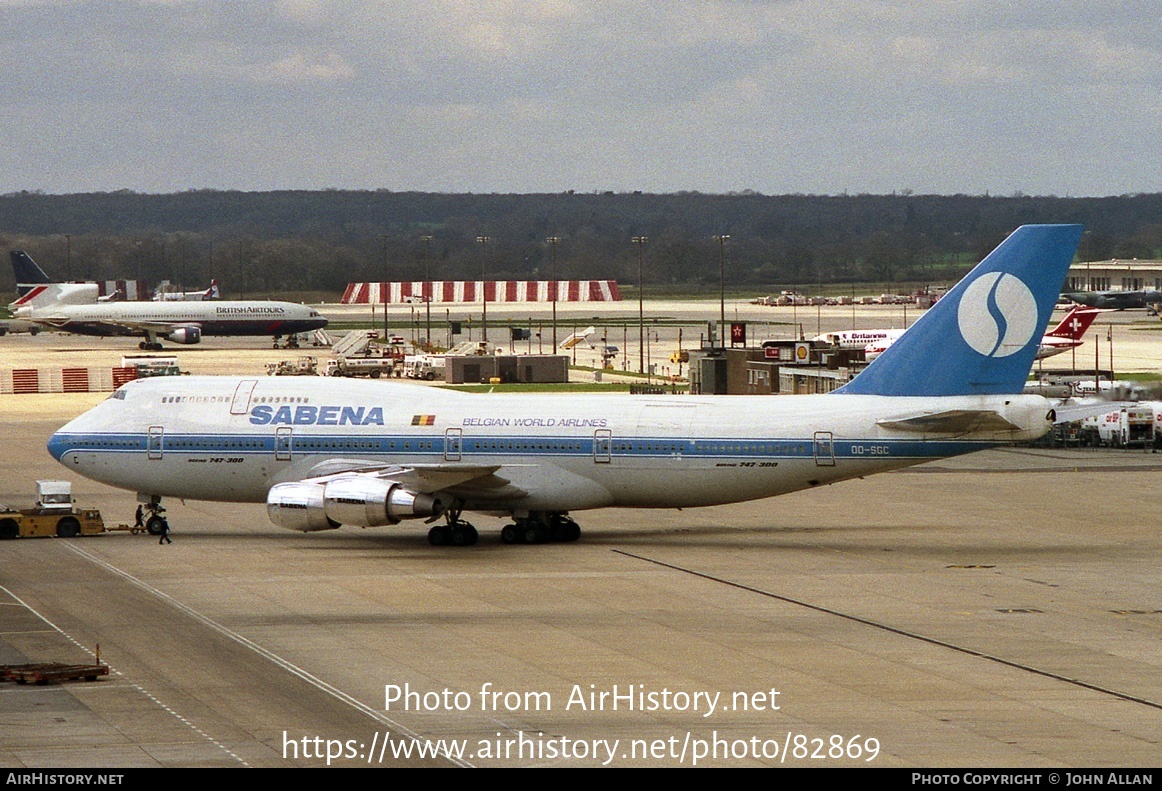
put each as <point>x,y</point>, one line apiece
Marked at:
<point>981,337</point>
<point>28,274</point>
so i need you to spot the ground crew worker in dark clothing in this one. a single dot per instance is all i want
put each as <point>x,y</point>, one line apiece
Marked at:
<point>165,539</point>
<point>138,522</point>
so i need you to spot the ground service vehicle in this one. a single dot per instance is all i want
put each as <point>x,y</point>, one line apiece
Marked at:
<point>53,515</point>
<point>373,367</point>
<point>303,366</point>
<point>1123,428</point>
<point>423,366</point>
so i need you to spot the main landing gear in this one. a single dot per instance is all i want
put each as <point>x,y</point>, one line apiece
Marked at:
<point>456,532</point>
<point>150,344</point>
<point>541,527</point>
<point>538,527</point>
<point>292,341</point>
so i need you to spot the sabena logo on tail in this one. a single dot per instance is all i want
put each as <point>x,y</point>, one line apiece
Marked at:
<point>997,315</point>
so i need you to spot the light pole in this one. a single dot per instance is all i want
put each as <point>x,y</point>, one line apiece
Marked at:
<point>552,240</point>
<point>427,240</point>
<point>640,241</point>
<point>484,240</point>
<point>382,286</point>
<point>722,288</point>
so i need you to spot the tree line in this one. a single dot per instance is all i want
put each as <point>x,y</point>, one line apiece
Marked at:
<point>315,242</point>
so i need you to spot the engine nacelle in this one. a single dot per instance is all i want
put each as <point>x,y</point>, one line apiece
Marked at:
<point>368,502</point>
<point>298,506</point>
<point>357,500</point>
<point>189,333</point>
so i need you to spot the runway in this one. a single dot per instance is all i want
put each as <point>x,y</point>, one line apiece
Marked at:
<point>999,610</point>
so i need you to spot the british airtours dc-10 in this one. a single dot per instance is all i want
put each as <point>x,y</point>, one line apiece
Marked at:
<point>180,318</point>
<point>322,454</point>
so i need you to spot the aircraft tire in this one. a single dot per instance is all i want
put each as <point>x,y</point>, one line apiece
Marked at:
<point>9,529</point>
<point>68,528</point>
<point>153,525</point>
<point>572,531</point>
<point>438,536</point>
<point>509,535</point>
<point>532,534</point>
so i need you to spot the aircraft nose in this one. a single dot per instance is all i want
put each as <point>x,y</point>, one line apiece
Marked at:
<point>63,439</point>
<point>57,445</point>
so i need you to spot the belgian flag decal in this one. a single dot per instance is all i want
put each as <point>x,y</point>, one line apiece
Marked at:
<point>423,420</point>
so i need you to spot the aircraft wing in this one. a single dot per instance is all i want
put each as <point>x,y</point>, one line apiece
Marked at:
<point>476,481</point>
<point>59,321</point>
<point>953,421</point>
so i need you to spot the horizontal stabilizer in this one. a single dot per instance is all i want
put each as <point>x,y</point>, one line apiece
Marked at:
<point>954,421</point>
<point>1066,412</point>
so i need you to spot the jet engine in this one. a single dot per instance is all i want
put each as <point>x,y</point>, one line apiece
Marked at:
<point>360,500</point>
<point>188,333</point>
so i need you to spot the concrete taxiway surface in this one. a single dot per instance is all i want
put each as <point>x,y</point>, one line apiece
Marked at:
<point>1003,610</point>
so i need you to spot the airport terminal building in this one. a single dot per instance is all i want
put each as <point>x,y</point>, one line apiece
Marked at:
<point>1115,275</point>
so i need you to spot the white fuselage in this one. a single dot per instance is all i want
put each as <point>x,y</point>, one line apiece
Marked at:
<point>859,339</point>
<point>226,438</point>
<point>1050,345</point>
<point>238,317</point>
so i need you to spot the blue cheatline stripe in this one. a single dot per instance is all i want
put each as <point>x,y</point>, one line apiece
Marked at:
<point>523,446</point>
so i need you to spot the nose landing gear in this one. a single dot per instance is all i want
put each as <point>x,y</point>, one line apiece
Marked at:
<point>154,518</point>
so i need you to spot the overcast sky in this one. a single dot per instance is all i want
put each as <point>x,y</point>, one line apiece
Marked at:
<point>1043,97</point>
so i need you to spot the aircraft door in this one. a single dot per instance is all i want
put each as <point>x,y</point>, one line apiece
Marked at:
<point>282,443</point>
<point>824,449</point>
<point>452,444</point>
<point>241,403</point>
<point>156,435</point>
<point>602,445</point>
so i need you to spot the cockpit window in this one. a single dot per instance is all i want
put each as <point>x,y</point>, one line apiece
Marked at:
<point>118,394</point>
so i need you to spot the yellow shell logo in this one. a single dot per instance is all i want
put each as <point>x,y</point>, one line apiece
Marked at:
<point>801,352</point>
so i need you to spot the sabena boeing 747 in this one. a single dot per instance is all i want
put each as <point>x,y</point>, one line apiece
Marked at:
<point>322,453</point>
